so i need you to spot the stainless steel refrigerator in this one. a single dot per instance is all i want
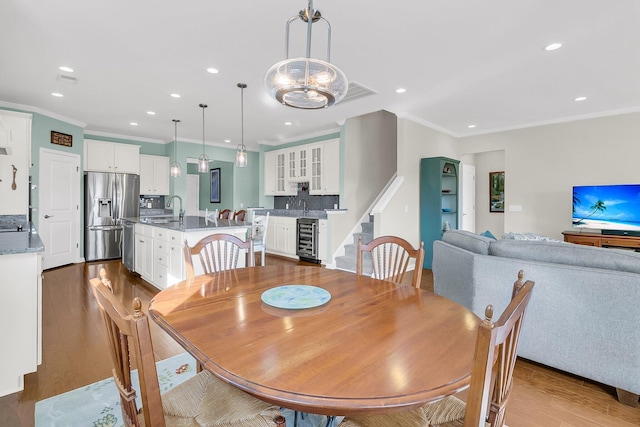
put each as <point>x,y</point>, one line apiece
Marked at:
<point>108,198</point>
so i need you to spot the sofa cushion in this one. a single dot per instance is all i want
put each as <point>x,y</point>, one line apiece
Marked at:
<point>468,241</point>
<point>568,254</point>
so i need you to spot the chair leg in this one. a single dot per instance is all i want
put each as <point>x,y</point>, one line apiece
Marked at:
<point>331,421</point>
<point>263,252</point>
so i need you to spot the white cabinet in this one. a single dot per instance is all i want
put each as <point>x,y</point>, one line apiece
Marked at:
<point>15,137</point>
<point>20,318</point>
<point>144,252</point>
<point>323,240</point>
<point>318,164</point>
<point>168,257</point>
<point>281,236</point>
<point>154,175</point>
<point>270,173</point>
<point>325,168</point>
<point>103,156</point>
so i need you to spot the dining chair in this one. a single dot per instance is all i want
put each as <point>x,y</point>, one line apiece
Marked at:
<point>259,225</point>
<point>491,376</point>
<point>226,214</point>
<point>390,257</point>
<point>217,252</point>
<point>240,215</point>
<point>212,215</point>
<point>200,400</point>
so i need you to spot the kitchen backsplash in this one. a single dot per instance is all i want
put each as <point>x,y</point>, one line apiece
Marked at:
<point>314,203</point>
<point>152,202</point>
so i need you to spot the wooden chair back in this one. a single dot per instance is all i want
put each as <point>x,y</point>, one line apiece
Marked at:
<point>494,360</point>
<point>226,214</point>
<point>240,215</point>
<point>130,340</point>
<point>217,252</point>
<point>390,256</point>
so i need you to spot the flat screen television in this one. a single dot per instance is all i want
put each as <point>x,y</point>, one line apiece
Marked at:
<point>614,209</point>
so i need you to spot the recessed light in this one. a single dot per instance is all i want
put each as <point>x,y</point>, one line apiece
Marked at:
<point>471,126</point>
<point>66,69</point>
<point>288,123</point>
<point>133,124</point>
<point>227,141</point>
<point>401,90</point>
<point>553,46</point>
<point>151,113</point>
<point>175,95</point>
<point>57,94</point>
<point>212,70</point>
<point>580,98</point>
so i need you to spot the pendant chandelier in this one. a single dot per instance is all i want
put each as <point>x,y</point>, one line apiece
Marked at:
<point>203,160</point>
<point>306,82</point>
<point>175,166</point>
<point>241,153</point>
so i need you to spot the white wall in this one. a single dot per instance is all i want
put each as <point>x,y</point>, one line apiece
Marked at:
<point>542,164</point>
<point>415,141</point>
<point>15,134</point>
<point>370,153</point>
<point>492,161</point>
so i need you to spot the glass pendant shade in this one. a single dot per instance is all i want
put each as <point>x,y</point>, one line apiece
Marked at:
<point>203,160</point>
<point>175,166</point>
<point>175,169</point>
<point>305,82</point>
<point>241,157</point>
<point>203,163</point>
<point>241,152</point>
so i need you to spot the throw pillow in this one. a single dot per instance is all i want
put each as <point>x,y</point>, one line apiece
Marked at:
<point>489,235</point>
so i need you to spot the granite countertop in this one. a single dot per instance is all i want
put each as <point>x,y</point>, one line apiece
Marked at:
<point>20,242</point>
<point>299,213</point>
<point>190,223</point>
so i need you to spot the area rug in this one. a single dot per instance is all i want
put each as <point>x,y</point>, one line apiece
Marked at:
<point>98,404</point>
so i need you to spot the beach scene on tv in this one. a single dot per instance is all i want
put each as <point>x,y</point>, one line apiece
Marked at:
<point>607,207</point>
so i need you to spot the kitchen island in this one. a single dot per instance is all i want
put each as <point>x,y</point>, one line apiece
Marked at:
<point>21,302</point>
<point>159,244</point>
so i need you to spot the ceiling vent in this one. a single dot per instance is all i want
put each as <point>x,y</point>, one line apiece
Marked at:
<point>356,91</point>
<point>67,79</point>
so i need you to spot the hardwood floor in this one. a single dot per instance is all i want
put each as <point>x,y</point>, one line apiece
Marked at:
<point>75,354</point>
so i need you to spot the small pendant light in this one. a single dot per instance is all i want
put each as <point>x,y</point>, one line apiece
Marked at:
<point>241,154</point>
<point>175,166</point>
<point>203,160</point>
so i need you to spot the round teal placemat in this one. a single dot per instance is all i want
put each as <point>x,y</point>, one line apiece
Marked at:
<point>296,297</point>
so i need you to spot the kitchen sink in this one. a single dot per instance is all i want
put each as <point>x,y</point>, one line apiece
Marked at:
<point>159,220</point>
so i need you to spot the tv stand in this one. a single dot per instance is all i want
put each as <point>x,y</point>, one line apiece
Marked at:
<point>601,240</point>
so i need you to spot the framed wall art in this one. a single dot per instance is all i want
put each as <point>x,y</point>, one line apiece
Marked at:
<point>496,191</point>
<point>215,185</point>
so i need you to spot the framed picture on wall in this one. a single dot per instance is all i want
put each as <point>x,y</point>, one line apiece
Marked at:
<point>215,185</point>
<point>496,191</point>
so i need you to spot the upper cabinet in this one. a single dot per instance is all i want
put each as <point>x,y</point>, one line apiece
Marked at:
<point>318,164</point>
<point>154,175</point>
<point>15,143</point>
<point>103,156</point>
<point>325,168</point>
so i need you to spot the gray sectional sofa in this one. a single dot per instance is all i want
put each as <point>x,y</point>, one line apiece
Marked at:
<point>584,315</point>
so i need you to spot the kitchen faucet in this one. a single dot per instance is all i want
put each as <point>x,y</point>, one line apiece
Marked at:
<point>304,205</point>
<point>180,212</point>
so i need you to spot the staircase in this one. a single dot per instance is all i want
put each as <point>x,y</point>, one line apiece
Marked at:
<point>348,260</point>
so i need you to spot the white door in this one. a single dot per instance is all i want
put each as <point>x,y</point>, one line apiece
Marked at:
<point>469,198</point>
<point>193,194</point>
<point>59,207</point>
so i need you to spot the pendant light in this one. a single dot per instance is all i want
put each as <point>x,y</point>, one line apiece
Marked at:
<point>241,153</point>
<point>175,166</point>
<point>306,82</point>
<point>203,160</point>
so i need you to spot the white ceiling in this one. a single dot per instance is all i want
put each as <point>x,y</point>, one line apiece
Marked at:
<point>462,62</point>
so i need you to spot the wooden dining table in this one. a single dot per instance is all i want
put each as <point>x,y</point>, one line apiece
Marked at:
<point>374,347</point>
